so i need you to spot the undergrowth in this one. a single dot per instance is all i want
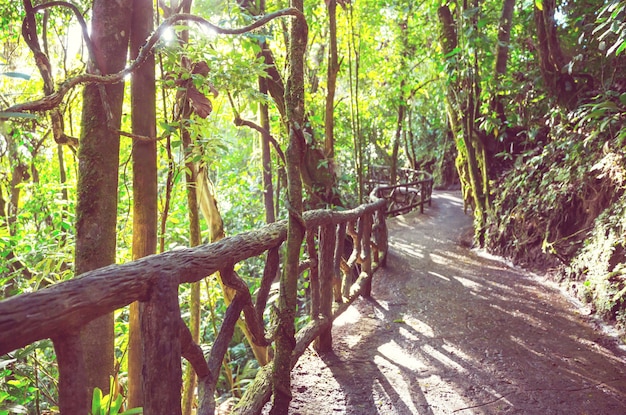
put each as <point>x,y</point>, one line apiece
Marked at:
<point>562,205</point>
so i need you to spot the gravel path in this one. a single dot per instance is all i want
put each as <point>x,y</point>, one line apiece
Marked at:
<point>449,332</point>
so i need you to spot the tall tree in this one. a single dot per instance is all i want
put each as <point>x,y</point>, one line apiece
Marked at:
<point>287,303</point>
<point>144,155</point>
<point>463,104</point>
<point>559,83</point>
<point>333,69</point>
<point>98,154</point>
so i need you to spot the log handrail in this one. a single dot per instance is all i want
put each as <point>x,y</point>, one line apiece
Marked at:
<point>58,312</point>
<point>413,188</point>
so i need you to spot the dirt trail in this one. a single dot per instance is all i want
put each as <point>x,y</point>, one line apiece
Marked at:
<point>449,332</point>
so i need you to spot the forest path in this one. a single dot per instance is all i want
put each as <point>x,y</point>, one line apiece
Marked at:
<point>449,332</point>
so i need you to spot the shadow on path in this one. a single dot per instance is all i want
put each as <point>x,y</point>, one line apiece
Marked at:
<point>449,332</point>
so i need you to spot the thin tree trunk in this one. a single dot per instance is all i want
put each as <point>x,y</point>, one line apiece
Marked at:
<point>143,118</point>
<point>98,155</point>
<point>287,303</point>
<point>502,55</point>
<point>504,36</point>
<point>333,69</point>
<point>191,177</point>
<point>266,156</point>
<point>552,60</point>
<point>354,106</point>
<point>398,135</point>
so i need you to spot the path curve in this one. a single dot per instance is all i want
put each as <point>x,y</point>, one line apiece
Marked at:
<point>449,332</point>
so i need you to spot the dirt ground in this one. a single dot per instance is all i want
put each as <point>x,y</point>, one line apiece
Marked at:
<point>448,331</point>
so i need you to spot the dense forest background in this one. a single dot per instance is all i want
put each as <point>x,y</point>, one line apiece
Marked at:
<point>519,104</point>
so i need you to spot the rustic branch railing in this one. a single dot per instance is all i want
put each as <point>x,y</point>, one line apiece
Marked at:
<point>413,188</point>
<point>59,311</point>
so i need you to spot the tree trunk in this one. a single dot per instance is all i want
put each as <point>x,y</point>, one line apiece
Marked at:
<point>266,156</point>
<point>552,60</point>
<point>143,118</point>
<point>504,36</point>
<point>502,56</point>
<point>98,155</point>
<point>192,183</point>
<point>353,48</point>
<point>396,139</point>
<point>462,107</point>
<point>294,98</point>
<point>333,69</point>
<point>191,177</point>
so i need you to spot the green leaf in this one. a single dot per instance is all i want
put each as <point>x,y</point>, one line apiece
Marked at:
<point>116,405</point>
<point>539,4</point>
<point>17,75</point>
<point>96,401</point>
<point>622,98</point>
<point>133,411</point>
<point>9,114</point>
<point>453,52</point>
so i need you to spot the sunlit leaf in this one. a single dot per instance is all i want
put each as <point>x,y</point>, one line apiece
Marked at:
<point>96,401</point>
<point>17,75</point>
<point>9,114</point>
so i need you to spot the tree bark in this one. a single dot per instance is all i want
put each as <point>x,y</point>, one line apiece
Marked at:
<point>333,69</point>
<point>98,155</point>
<point>551,57</point>
<point>462,106</point>
<point>99,291</point>
<point>191,177</point>
<point>294,98</point>
<point>502,55</point>
<point>266,156</point>
<point>143,118</point>
<point>504,36</point>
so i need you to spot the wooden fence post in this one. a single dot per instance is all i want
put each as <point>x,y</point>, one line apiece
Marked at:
<point>340,241</point>
<point>366,251</point>
<point>313,272</point>
<point>162,373</point>
<point>324,342</point>
<point>74,398</point>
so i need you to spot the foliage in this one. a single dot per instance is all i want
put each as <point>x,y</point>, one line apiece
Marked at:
<point>28,380</point>
<point>557,174</point>
<point>107,405</point>
<point>563,203</point>
<point>612,26</point>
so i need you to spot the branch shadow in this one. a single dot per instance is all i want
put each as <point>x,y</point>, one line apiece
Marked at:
<point>449,332</point>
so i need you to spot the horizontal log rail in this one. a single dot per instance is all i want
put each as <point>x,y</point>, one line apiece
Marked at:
<point>59,312</point>
<point>413,188</point>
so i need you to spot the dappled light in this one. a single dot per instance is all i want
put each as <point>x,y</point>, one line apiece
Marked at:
<point>448,331</point>
<point>312,207</point>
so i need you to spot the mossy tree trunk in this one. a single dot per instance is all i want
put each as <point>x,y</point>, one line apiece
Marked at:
<point>294,99</point>
<point>463,103</point>
<point>98,154</point>
<point>143,118</point>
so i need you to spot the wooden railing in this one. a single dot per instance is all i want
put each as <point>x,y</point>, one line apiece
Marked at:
<point>59,311</point>
<point>412,188</point>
